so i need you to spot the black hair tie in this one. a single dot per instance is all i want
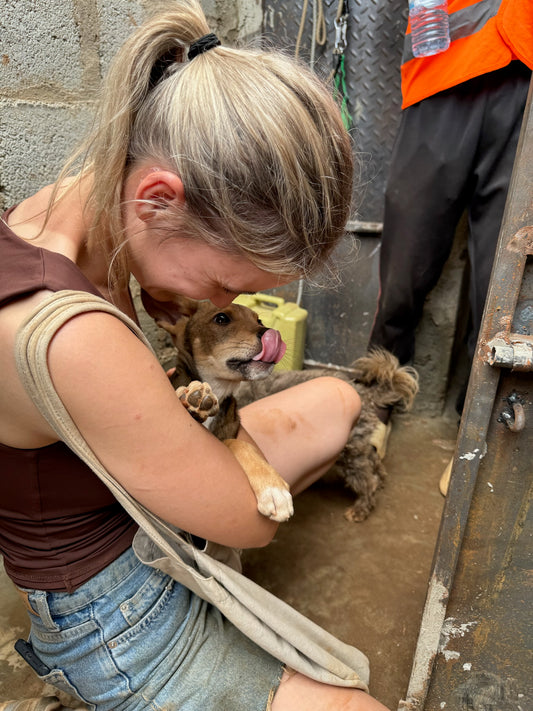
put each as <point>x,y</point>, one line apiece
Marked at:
<point>203,44</point>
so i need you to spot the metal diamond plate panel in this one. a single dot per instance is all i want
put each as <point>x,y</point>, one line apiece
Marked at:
<point>374,40</point>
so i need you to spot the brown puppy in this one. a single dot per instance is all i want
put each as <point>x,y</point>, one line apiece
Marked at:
<point>216,350</point>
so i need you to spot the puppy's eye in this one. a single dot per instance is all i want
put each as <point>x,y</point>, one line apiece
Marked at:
<point>222,319</point>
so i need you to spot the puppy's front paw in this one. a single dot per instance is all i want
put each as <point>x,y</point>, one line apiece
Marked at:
<point>198,399</point>
<point>275,503</point>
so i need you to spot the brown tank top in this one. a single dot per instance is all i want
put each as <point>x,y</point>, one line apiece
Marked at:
<point>59,524</point>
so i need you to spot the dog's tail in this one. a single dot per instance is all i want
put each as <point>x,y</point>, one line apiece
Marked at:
<point>393,385</point>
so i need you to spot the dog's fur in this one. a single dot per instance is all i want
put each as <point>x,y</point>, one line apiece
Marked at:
<point>216,346</point>
<point>215,353</point>
<point>382,384</point>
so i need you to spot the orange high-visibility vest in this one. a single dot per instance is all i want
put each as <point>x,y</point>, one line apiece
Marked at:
<point>485,35</point>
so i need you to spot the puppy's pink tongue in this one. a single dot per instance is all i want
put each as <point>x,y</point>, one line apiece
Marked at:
<point>273,348</point>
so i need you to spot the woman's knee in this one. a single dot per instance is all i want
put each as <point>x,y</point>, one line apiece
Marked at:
<point>297,692</point>
<point>345,396</point>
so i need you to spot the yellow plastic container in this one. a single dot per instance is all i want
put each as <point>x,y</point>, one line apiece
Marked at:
<point>286,317</point>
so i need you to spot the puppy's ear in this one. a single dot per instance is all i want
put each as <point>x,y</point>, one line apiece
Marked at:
<point>176,330</point>
<point>185,306</point>
<point>170,311</point>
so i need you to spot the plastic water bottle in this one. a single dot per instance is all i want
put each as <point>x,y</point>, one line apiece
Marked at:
<point>430,27</point>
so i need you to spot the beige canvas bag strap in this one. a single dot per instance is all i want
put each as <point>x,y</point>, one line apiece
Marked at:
<point>31,348</point>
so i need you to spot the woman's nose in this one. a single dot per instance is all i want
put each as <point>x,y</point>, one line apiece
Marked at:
<point>222,300</point>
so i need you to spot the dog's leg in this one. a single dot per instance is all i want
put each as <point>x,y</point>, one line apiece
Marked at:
<point>227,422</point>
<point>271,491</point>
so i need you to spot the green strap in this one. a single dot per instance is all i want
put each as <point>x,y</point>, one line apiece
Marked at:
<point>341,91</point>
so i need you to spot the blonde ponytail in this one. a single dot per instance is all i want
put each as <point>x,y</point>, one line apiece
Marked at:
<point>256,138</point>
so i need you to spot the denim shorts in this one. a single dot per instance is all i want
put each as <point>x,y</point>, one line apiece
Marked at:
<point>132,638</point>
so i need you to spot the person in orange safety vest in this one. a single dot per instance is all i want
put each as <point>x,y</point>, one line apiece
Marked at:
<point>454,151</point>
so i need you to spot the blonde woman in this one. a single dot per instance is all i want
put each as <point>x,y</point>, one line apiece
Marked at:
<point>210,171</point>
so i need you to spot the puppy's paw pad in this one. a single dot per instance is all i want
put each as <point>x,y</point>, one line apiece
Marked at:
<point>275,503</point>
<point>198,399</point>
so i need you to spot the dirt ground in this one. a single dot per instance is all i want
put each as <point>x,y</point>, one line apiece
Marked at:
<point>364,582</point>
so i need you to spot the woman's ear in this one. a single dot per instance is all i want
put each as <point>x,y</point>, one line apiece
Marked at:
<point>156,191</point>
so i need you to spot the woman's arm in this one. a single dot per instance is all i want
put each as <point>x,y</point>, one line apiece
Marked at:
<point>123,404</point>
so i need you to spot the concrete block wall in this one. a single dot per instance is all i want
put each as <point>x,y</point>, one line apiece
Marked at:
<point>53,55</point>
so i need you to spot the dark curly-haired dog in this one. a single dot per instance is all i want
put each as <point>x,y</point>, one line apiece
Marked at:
<point>382,384</point>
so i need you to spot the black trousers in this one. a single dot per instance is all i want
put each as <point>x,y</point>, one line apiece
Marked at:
<point>453,152</point>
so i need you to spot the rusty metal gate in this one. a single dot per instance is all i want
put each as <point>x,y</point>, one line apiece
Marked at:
<point>475,647</point>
